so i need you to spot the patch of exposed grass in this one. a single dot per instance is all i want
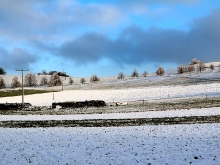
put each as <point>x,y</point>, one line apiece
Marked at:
<point>11,93</point>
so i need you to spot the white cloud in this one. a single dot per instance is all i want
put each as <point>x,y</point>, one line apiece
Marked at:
<point>41,20</point>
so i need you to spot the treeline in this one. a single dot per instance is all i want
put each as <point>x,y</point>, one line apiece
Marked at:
<point>30,80</point>
<point>160,72</point>
<point>55,80</point>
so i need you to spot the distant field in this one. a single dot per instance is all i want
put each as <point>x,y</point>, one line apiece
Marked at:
<point>11,93</point>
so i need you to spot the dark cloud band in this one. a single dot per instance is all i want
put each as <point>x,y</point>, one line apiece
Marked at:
<point>136,46</point>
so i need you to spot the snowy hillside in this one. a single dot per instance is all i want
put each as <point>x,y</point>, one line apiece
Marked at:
<point>145,145</point>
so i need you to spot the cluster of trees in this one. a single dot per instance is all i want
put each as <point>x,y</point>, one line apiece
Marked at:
<point>192,66</point>
<point>160,71</point>
<point>30,80</point>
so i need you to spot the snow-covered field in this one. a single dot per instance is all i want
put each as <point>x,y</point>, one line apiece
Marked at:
<point>146,145</point>
<point>131,94</point>
<point>172,144</point>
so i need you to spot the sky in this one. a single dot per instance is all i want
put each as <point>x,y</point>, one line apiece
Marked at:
<point>105,37</point>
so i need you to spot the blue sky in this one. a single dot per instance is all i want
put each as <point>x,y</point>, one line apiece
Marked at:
<point>105,37</point>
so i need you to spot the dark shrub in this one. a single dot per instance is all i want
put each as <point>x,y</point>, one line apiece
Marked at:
<point>2,71</point>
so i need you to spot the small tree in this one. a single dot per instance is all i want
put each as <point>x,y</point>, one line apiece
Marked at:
<point>194,61</point>
<point>134,73</point>
<point>201,66</point>
<point>180,69</point>
<point>55,80</point>
<point>44,81</point>
<point>82,80</point>
<point>2,71</point>
<point>2,83</point>
<point>212,67</point>
<point>191,68</point>
<point>144,74</point>
<point>121,76</point>
<point>30,80</point>
<point>94,79</point>
<point>15,83</point>
<point>160,71</point>
<point>71,81</point>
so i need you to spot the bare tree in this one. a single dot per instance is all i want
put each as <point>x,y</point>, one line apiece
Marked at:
<point>212,67</point>
<point>144,74</point>
<point>201,66</point>
<point>55,80</point>
<point>71,81</point>
<point>30,80</point>
<point>15,83</point>
<point>194,61</point>
<point>82,80</point>
<point>121,76</point>
<point>160,71</point>
<point>2,83</point>
<point>191,68</point>
<point>180,69</point>
<point>134,73</point>
<point>94,79</point>
<point>184,69</point>
<point>44,81</point>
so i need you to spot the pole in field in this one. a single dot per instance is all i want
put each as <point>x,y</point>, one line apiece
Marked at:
<point>22,70</point>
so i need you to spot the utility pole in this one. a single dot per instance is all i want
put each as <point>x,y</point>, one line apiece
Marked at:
<point>22,70</point>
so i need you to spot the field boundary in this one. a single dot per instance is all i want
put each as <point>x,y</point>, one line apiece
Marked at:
<point>112,122</point>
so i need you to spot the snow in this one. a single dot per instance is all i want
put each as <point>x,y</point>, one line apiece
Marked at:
<point>130,94</point>
<point>149,114</point>
<point>144,145</point>
<point>173,144</point>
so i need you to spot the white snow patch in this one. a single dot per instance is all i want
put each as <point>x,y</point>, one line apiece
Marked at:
<point>149,114</point>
